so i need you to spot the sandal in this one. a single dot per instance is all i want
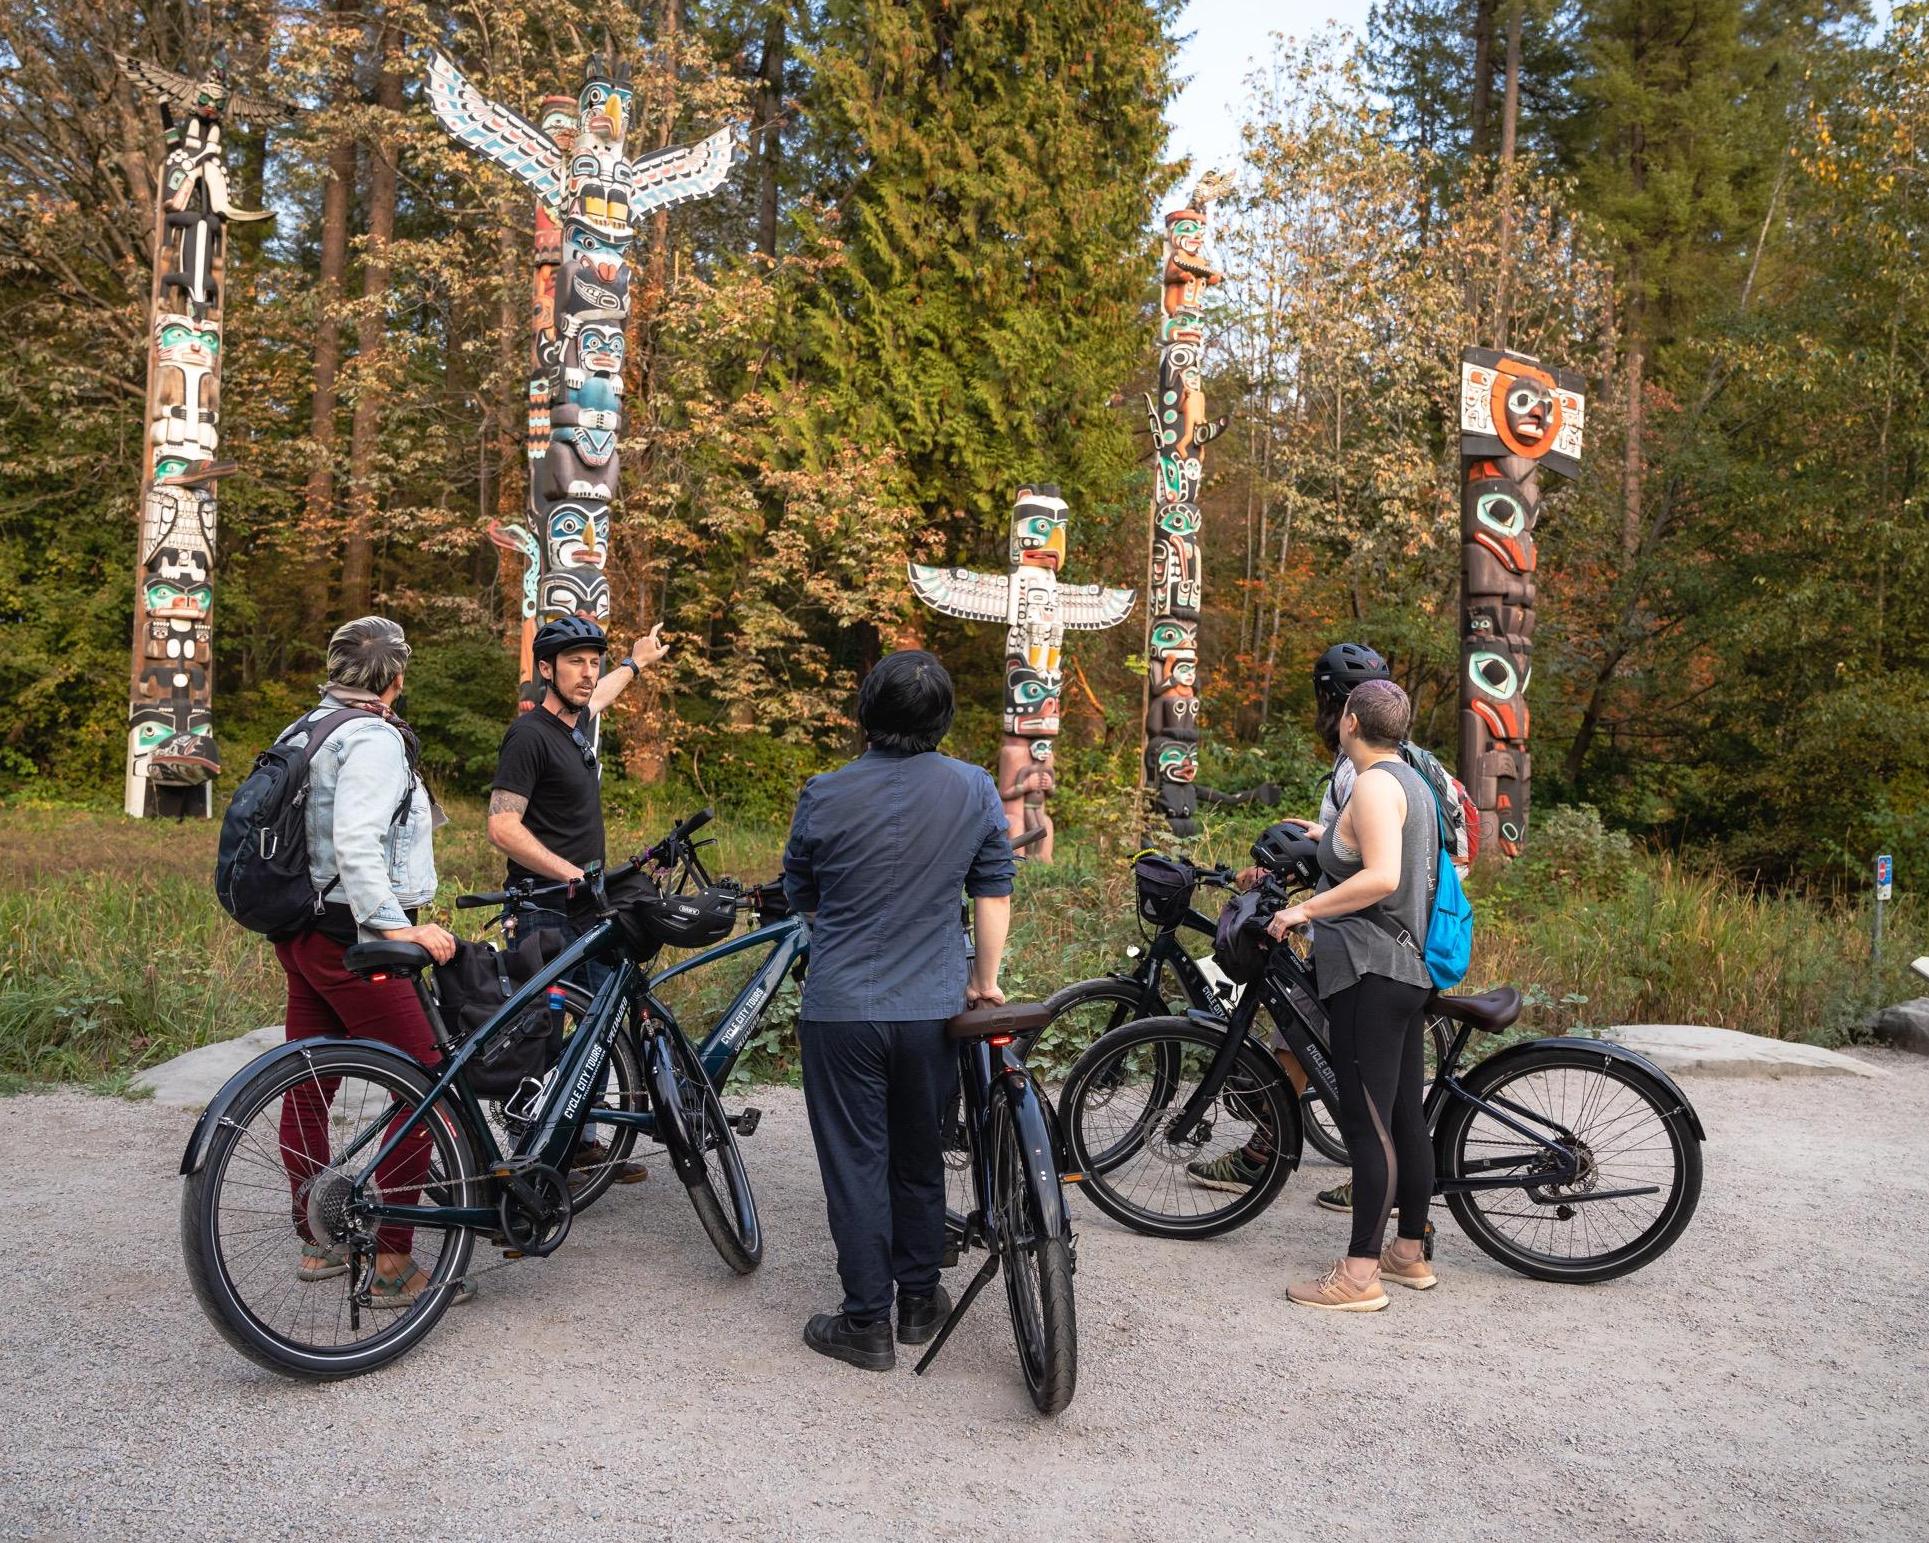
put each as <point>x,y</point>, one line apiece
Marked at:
<point>388,1293</point>
<point>333,1257</point>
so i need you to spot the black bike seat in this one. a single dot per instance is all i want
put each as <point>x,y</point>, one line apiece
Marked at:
<point>385,956</point>
<point>1491,1010</point>
<point>1013,1018</point>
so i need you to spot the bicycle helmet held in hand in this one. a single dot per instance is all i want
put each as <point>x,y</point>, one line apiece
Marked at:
<point>567,632</point>
<point>1343,666</point>
<point>1288,853</point>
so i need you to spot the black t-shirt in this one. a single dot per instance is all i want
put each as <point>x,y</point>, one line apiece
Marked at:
<point>540,762</point>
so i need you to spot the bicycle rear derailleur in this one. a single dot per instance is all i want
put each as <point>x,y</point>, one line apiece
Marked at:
<point>532,1207</point>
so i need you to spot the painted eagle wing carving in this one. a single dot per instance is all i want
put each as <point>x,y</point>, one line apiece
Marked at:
<point>681,172</point>
<point>164,85</point>
<point>495,131</point>
<point>1093,607</point>
<point>254,109</point>
<point>963,593</point>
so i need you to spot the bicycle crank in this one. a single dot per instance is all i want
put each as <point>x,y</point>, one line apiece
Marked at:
<point>532,1208</point>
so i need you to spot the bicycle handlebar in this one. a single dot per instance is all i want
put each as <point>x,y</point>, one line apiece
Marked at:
<point>665,851</point>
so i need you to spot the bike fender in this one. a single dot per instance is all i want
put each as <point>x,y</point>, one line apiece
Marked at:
<point>659,1072</point>
<point>202,1136</point>
<point>1055,1002</point>
<point>1044,1148</point>
<point>1609,1051</point>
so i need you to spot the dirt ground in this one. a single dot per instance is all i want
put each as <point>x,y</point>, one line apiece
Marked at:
<point>1765,1380</point>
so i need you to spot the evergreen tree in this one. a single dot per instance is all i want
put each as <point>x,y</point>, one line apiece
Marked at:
<point>994,167</point>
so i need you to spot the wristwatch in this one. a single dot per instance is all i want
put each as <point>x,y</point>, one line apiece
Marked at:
<point>635,668</point>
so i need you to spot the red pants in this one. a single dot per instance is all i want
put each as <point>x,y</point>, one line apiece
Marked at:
<point>324,998</point>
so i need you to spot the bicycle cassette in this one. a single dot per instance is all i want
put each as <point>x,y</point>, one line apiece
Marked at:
<point>533,1207</point>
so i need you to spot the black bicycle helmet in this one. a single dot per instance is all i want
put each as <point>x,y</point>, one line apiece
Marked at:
<point>1287,852</point>
<point>567,632</point>
<point>1344,666</point>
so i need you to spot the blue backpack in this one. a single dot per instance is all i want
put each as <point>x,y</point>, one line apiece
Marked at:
<point>1450,927</point>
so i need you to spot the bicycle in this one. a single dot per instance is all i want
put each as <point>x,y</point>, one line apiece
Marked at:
<point>1098,1005</point>
<point>393,1134</point>
<point>1560,1126</point>
<point>1019,1215</point>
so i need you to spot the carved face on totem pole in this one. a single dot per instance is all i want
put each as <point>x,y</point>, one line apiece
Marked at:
<point>603,105</point>
<point>1515,417</point>
<point>1038,529</point>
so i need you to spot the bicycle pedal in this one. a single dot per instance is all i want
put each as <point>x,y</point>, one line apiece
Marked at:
<point>745,1124</point>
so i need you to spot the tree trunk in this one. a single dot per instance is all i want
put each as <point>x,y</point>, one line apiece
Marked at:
<point>1634,451</point>
<point>1481,112</point>
<point>358,559</point>
<point>320,500</point>
<point>770,106</point>
<point>1509,128</point>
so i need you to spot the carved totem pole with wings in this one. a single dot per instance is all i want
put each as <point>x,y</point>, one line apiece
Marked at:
<point>1036,610</point>
<point>1515,418</point>
<point>586,186</point>
<point>171,755</point>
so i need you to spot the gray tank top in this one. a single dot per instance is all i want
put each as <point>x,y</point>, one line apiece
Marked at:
<point>1347,947</point>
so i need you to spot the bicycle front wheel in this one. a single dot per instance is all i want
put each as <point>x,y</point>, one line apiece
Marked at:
<point>691,1123</point>
<point>1119,1105</point>
<point>1636,1164</point>
<point>279,1185</point>
<point>1037,1266</point>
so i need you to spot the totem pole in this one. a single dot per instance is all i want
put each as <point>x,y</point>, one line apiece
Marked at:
<point>171,756</point>
<point>1036,609</point>
<point>1515,418</point>
<point>575,165</point>
<point>1180,433</point>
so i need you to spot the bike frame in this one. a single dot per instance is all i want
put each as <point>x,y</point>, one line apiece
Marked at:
<point>789,941</point>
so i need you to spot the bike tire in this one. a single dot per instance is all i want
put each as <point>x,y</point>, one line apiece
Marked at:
<point>1037,1266</point>
<point>210,1268</point>
<point>1256,1093</point>
<point>1606,1084</point>
<point>692,1124</point>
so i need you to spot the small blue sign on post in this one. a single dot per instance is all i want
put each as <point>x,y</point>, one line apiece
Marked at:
<point>1885,872</point>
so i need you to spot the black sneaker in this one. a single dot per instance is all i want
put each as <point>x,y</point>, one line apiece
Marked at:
<point>864,1345</point>
<point>919,1318</point>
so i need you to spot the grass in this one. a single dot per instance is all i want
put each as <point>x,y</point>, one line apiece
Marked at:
<point>114,955</point>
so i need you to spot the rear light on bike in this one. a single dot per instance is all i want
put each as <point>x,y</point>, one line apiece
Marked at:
<point>999,1041</point>
<point>378,975</point>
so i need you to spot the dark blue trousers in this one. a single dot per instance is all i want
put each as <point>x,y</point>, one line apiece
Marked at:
<point>877,1093</point>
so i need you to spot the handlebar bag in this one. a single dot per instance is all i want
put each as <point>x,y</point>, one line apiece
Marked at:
<point>1165,887</point>
<point>476,984</point>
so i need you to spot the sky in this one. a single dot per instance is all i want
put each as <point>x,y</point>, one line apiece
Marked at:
<point>1228,38</point>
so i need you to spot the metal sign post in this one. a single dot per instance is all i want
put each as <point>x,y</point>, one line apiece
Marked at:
<point>1884,888</point>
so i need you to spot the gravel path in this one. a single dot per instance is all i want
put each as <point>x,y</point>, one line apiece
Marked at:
<point>1765,1380</point>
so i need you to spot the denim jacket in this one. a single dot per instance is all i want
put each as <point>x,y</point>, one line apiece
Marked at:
<point>356,782</point>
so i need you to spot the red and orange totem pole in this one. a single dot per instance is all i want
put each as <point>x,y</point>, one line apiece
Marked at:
<point>1516,416</point>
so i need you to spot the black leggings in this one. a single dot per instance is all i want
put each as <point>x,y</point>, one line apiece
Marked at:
<point>1378,1026</point>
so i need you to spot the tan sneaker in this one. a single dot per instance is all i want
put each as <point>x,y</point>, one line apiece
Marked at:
<point>1415,1273</point>
<point>1336,1292</point>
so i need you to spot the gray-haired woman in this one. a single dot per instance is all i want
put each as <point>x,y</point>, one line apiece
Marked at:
<point>1378,861</point>
<point>371,857</point>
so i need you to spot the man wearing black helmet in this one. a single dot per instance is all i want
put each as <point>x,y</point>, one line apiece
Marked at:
<point>546,805</point>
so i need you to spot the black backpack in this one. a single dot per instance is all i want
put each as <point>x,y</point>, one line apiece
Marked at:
<point>261,872</point>
<point>473,987</point>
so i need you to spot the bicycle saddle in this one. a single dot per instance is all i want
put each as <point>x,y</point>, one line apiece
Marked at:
<point>385,956</point>
<point>1013,1018</point>
<point>1491,1010</point>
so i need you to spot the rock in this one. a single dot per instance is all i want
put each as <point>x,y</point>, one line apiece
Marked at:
<point>189,1081</point>
<point>1904,1026</point>
<point>1680,1047</point>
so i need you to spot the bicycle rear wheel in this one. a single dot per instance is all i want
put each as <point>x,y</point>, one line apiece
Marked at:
<point>1625,1131</point>
<point>1118,1107</point>
<point>279,1178</point>
<point>1037,1268</point>
<point>691,1122</point>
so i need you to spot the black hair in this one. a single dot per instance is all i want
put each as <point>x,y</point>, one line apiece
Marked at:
<point>1326,719</point>
<point>906,702</point>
